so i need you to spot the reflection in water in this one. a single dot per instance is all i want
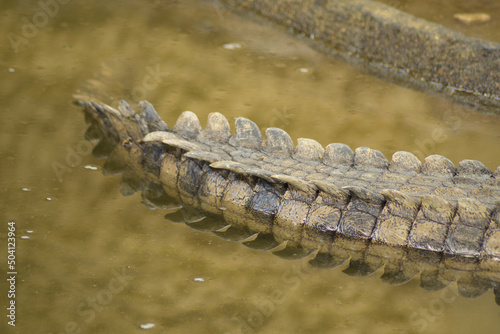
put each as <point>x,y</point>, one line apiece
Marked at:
<point>87,232</point>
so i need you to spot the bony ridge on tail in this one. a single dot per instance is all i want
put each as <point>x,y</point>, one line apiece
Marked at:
<point>408,216</point>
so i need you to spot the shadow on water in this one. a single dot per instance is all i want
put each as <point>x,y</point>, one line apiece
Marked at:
<point>91,260</point>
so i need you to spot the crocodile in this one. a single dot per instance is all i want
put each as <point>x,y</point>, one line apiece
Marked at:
<point>332,203</point>
<point>390,44</point>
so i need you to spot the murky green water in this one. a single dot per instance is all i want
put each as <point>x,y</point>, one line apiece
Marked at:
<point>92,261</point>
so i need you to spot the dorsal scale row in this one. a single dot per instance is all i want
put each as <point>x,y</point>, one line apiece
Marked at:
<point>188,135</point>
<point>333,200</point>
<point>429,196</point>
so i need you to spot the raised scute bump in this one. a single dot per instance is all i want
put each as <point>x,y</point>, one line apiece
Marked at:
<point>203,156</point>
<point>472,168</point>
<point>262,174</point>
<point>437,164</point>
<point>403,161</point>
<point>401,204</point>
<point>106,108</point>
<point>338,154</point>
<point>367,157</point>
<point>125,109</point>
<point>306,187</point>
<point>229,165</point>
<point>217,128</point>
<point>246,134</point>
<point>332,189</point>
<point>496,173</point>
<point>240,168</point>
<point>151,117</point>
<point>187,125</point>
<point>159,136</point>
<point>400,198</point>
<point>183,144</point>
<point>278,142</point>
<point>308,150</point>
<point>173,140</point>
<point>436,204</point>
<point>365,195</point>
<point>148,112</point>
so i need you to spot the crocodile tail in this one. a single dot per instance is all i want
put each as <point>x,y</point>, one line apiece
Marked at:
<point>263,189</point>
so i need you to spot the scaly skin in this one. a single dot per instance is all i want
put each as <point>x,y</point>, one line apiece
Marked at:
<point>430,218</point>
<point>390,44</point>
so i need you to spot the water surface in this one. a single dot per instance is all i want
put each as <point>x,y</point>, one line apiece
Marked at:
<point>97,262</point>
